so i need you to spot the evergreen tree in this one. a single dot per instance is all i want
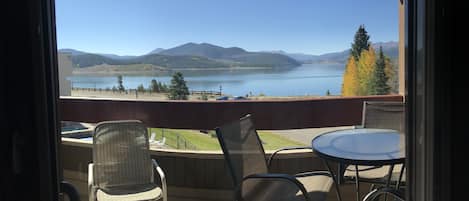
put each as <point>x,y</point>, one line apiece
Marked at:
<point>204,96</point>
<point>360,42</point>
<point>120,86</point>
<point>379,81</point>
<point>366,68</point>
<point>163,87</point>
<point>140,88</point>
<point>350,86</point>
<point>392,72</point>
<point>178,89</point>
<point>154,86</point>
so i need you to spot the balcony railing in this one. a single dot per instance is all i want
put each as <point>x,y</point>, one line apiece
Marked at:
<point>202,175</point>
<point>268,115</point>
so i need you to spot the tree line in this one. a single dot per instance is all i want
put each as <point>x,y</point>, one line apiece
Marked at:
<point>367,73</point>
<point>177,90</point>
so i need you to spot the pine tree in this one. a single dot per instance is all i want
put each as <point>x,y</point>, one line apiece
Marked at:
<point>154,87</point>
<point>350,84</point>
<point>379,81</point>
<point>360,42</point>
<point>366,67</point>
<point>140,88</point>
<point>392,72</point>
<point>178,89</point>
<point>120,85</point>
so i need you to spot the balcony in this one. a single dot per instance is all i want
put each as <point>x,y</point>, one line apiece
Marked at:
<point>202,175</point>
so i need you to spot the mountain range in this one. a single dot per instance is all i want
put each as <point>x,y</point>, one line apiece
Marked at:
<point>204,55</point>
<point>189,55</point>
<point>390,49</point>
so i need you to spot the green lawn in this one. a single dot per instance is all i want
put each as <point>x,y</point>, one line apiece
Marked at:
<point>190,138</point>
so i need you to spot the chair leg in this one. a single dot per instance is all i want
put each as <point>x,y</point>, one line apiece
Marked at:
<point>357,183</point>
<point>334,179</point>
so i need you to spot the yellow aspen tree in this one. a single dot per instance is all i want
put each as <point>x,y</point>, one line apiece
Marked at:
<point>366,68</point>
<point>392,73</point>
<point>350,84</point>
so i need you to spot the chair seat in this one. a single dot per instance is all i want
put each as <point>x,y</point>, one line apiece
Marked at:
<point>152,194</point>
<point>272,190</point>
<point>378,174</point>
<point>318,187</point>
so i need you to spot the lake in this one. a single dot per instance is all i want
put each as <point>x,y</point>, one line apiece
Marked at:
<point>307,79</point>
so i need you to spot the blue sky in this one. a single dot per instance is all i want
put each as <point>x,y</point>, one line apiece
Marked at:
<point>135,27</point>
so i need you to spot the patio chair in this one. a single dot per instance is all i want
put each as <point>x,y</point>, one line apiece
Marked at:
<point>376,194</point>
<point>157,143</point>
<point>152,138</point>
<point>245,156</point>
<point>122,168</point>
<point>385,115</point>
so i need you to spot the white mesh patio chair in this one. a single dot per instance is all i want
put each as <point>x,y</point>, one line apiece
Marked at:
<point>245,156</point>
<point>384,115</point>
<point>122,168</point>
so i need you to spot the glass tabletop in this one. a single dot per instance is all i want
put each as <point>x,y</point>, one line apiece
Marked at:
<point>361,146</point>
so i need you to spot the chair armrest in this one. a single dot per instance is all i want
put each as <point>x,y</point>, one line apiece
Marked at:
<point>284,149</point>
<point>91,188</point>
<point>270,176</point>
<point>397,194</point>
<point>69,190</point>
<point>365,168</point>
<point>314,173</point>
<point>160,172</point>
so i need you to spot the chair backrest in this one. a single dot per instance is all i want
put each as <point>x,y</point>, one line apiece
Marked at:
<point>384,114</point>
<point>121,158</point>
<point>152,137</point>
<point>162,142</point>
<point>242,149</point>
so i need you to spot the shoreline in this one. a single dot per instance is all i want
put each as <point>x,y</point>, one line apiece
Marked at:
<point>163,96</point>
<point>110,71</point>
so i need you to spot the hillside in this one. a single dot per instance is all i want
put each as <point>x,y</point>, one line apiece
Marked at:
<point>179,61</point>
<point>232,54</point>
<point>111,56</point>
<point>204,55</point>
<point>204,50</point>
<point>88,60</point>
<point>190,55</point>
<point>390,49</point>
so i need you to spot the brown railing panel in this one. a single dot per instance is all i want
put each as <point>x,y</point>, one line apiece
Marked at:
<point>273,114</point>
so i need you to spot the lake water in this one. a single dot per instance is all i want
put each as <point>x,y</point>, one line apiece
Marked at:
<point>307,79</point>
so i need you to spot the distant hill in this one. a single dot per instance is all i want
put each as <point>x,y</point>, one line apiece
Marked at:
<point>189,55</point>
<point>233,54</point>
<point>204,55</point>
<point>179,61</point>
<point>390,49</point>
<point>74,52</point>
<point>300,57</point>
<point>204,50</point>
<point>118,57</point>
<point>156,51</point>
<point>88,60</point>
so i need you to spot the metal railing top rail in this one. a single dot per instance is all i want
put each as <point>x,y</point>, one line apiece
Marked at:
<point>269,114</point>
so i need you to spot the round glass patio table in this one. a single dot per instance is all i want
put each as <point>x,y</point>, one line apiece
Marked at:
<point>364,146</point>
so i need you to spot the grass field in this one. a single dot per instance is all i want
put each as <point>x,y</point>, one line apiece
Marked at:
<point>188,139</point>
